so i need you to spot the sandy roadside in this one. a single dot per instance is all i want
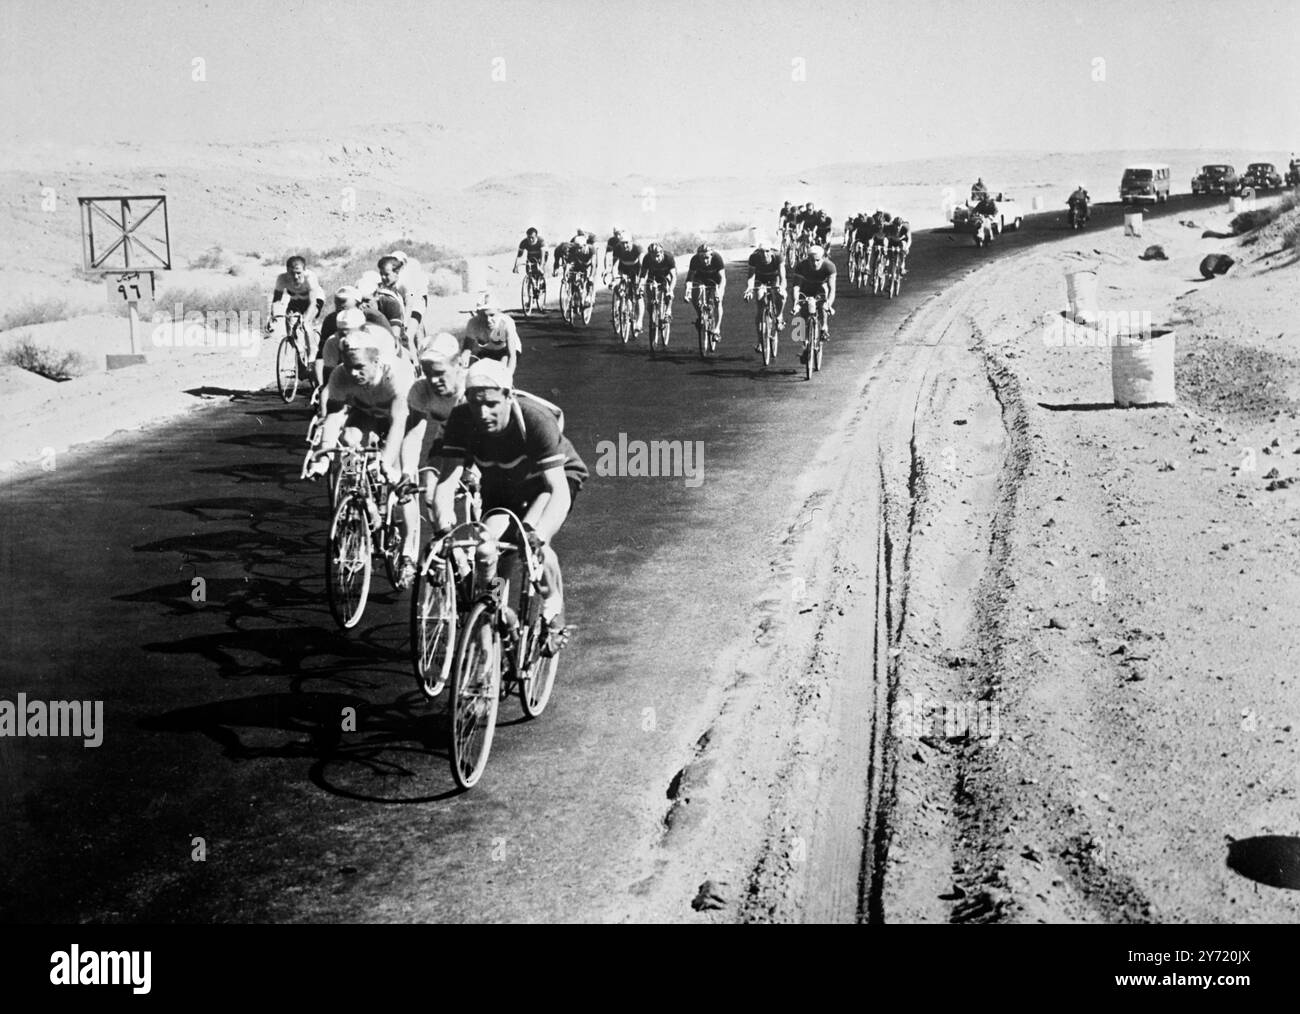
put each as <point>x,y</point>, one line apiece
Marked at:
<point>1096,686</point>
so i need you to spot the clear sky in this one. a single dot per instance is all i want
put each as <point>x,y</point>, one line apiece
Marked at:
<point>663,87</point>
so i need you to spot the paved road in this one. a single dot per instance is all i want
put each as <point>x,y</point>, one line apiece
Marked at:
<point>223,735</point>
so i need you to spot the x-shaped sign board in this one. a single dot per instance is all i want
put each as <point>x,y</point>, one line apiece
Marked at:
<point>122,244</point>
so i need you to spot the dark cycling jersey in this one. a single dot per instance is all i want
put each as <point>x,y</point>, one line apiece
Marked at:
<point>330,324</point>
<point>561,254</point>
<point>766,267</point>
<point>513,461</point>
<point>660,269</point>
<point>628,258</point>
<point>581,257</point>
<point>706,268</point>
<point>814,280</point>
<point>535,249</point>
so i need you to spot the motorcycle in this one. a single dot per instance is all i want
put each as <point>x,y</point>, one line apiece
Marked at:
<point>982,226</point>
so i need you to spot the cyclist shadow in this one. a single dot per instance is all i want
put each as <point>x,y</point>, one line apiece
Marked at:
<point>381,753</point>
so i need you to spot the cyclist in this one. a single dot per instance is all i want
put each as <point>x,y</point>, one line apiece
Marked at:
<point>611,245</point>
<point>560,256</point>
<point>365,400</point>
<point>706,268</point>
<point>815,275</point>
<point>346,297</point>
<point>582,260</point>
<point>786,215</point>
<point>898,234</point>
<point>659,265</point>
<point>767,267</point>
<point>527,466</point>
<point>301,292</point>
<point>439,387</point>
<point>822,229</point>
<point>534,248</point>
<point>346,323</point>
<point>414,284</point>
<point>491,334</point>
<point>395,298</point>
<point>627,259</point>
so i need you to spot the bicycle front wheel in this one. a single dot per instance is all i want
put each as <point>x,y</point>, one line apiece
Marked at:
<point>348,564</point>
<point>286,369</point>
<point>475,695</point>
<point>433,625</point>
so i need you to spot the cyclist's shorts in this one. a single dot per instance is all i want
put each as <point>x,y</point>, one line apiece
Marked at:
<point>367,423</point>
<point>523,498</point>
<point>299,304</point>
<point>710,279</point>
<point>631,271</point>
<point>771,281</point>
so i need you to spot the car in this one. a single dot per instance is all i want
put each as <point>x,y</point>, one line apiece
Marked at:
<point>1008,215</point>
<point>1262,176</point>
<point>1146,181</point>
<point>1216,179</point>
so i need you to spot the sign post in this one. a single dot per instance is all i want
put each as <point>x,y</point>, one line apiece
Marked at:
<point>126,239</point>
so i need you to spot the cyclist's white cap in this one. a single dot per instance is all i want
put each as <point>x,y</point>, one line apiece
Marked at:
<point>368,283</point>
<point>489,373</point>
<point>350,293</point>
<point>363,338</point>
<point>485,302</point>
<point>398,256</point>
<point>350,320</point>
<point>816,251</point>
<point>440,347</point>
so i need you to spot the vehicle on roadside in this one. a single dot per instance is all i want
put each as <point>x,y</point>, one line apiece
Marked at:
<point>1218,178</point>
<point>1262,176</point>
<point>1005,214</point>
<point>1146,181</point>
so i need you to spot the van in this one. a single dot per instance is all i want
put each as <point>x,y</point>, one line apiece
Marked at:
<point>1145,182</point>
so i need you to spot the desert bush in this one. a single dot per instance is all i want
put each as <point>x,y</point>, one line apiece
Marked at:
<point>335,251</point>
<point>678,242</point>
<point>1248,221</point>
<point>35,312</point>
<point>445,282</point>
<point>1291,236</point>
<point>56,364</point>
<point>213,257</point>
<point>731,227</point>
<point>251,297</point>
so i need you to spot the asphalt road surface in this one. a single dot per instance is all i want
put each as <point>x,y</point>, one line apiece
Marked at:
<point>226,789</point>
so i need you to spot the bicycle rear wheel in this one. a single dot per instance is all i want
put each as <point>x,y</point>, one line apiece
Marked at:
<point>475,695</point>
<point>348,563</point>
<point>433,624</point>
<point>536,672</point>
<point>287,369</point>
<point>566,301</point>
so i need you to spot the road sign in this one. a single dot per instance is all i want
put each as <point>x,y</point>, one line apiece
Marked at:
<point>125,233</point>
<point>129,287</point>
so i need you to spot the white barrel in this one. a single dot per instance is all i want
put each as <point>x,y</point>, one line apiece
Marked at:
<point>1142,368</point>
<point>476,275</point>
<point>755,235</point>
<point>1038,203</point>
<point>1081,290</point>
<point>1133,223</point>
<point>1236,204</point>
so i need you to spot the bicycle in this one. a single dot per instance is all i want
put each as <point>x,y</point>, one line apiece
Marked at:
<point>766,322</point>
<point>532,289</point>
<point>706,318</point>
<point>894,271</point>
<point>499,650</point>
<point>442,593</point>
<point>292,357</point>
<point>624,308</point>
<point>359,529</point>
<point>578,306</point>
<point>877,268</point>
<point>810,328</point>
<point>661,314</point>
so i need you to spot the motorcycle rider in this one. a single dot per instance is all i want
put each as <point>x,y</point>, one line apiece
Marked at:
<point>1078,202</point>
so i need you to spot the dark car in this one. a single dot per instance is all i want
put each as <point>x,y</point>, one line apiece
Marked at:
<point>1216,179</point>
<point>1262,176</point>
